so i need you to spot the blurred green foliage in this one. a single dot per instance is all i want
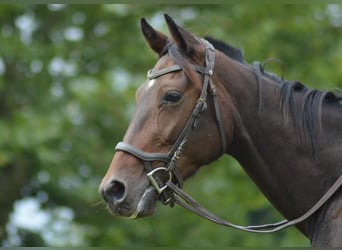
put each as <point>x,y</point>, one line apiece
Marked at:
<point>68,75</point>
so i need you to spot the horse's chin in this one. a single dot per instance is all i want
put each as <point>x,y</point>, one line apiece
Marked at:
<point>144,207</point>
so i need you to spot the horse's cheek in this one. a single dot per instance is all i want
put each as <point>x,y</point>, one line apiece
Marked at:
<point>168,126</point>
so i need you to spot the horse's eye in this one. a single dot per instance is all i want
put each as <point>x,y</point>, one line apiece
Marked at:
<point>172,97</point>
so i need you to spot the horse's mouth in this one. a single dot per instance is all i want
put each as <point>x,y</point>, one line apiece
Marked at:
<point>146,204</point>
<point>144,207</point>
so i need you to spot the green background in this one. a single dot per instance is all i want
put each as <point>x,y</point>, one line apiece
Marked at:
<point>68,75</point>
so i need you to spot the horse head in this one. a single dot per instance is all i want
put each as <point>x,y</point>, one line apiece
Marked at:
<point>176,128</point>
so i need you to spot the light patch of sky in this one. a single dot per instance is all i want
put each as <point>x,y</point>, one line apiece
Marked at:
<point>62,231</point>
<point>84,85</point>
<point>26,24</point>
<point>56,7</point>
<point>43,177</point>
<point>55,226</point>
<point>85,171</point>
<point>59,66</point>
<point>36,66</point>
<point>2,66</point>
<point>118,9</point>
<point>73,111</point>
<point>57,90</point>
<point>78,18</point>
<point>188,13</point>
<point>119,79</point>
<point>27,214</point>
<point>73,33</point>
<point>100,29</point>
<point>334,12</point>
<point>157,21</point>
<point>70,182</point>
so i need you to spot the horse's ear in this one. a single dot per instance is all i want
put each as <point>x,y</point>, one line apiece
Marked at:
<point>155,39</point>
<point>178,34</point>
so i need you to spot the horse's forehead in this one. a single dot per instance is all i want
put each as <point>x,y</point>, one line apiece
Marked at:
<point>164,62</point>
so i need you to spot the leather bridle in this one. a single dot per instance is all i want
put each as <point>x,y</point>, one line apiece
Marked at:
<point>161,175</point>
<point>167,180</point>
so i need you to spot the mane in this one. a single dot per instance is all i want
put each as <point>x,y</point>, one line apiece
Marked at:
<point>230,51</point>
<point>306,115</point>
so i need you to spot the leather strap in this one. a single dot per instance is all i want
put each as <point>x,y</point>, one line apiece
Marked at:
<point>152,75</point>
<point>122,146</point>
<point>187,202</point>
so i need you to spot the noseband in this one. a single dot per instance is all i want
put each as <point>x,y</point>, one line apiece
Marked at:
<point>161,175</point>
<point>167,180</point>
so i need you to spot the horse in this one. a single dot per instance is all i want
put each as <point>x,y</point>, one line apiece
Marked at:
<point>200,101</point>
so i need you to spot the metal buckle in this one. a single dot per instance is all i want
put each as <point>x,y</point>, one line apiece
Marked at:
<point>150,74</point>
<point>154,182</point>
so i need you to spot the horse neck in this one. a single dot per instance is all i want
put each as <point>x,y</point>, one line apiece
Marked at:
<point>268,150</point>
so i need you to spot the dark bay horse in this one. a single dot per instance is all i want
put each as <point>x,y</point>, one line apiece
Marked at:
<point>201,101</point>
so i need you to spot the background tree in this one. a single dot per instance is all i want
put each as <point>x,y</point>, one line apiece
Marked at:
<point>68,75</point>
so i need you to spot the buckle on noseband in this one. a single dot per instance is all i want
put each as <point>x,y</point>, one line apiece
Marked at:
<point>157,181</point>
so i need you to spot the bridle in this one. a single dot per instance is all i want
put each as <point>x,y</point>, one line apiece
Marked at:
<point>167,180</point>
<point>157,176</point>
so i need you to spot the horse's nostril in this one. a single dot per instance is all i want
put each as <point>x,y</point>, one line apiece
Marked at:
<point>115,191</point>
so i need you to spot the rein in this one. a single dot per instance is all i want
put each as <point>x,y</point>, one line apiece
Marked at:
<point>190,204</point>
<point>167,180</point>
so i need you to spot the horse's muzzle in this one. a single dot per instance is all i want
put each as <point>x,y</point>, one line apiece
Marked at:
<point>121,201</point>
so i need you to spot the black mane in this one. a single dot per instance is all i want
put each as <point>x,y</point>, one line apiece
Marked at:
<point>230,51</point>
<point>306,115</point>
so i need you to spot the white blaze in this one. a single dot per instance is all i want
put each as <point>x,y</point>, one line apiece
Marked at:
<point>150,83</point>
